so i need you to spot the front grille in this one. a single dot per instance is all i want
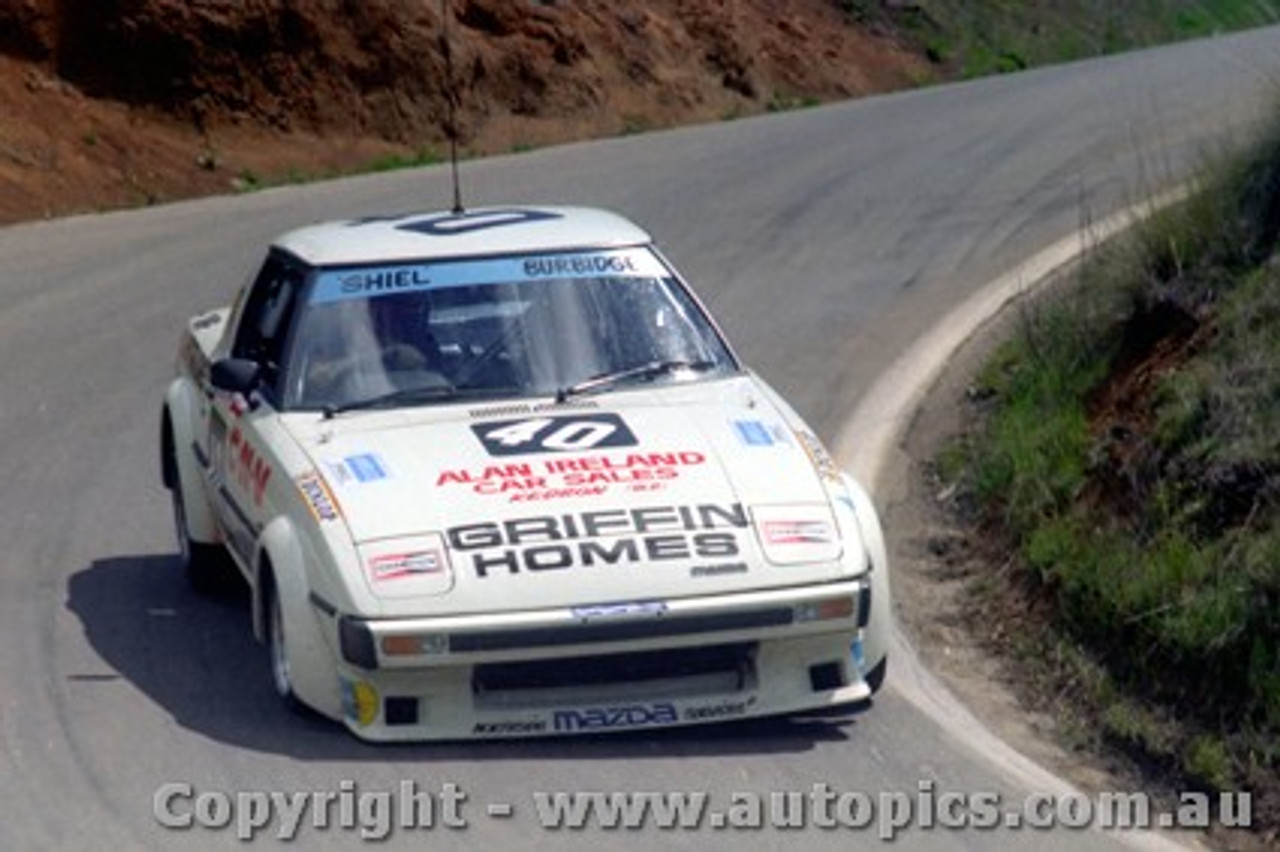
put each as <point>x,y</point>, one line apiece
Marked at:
<point>518,408</point>
<point>571,403</point>
<point>730,664</point>
<point>500,410</point>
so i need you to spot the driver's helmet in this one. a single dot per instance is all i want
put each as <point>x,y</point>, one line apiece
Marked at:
<point>403,318</point>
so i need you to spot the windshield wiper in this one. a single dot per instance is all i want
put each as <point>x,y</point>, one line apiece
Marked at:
<point>647,371</point>
<point>403,395</point>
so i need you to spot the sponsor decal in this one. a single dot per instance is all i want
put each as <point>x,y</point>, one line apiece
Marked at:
<point>607,537</point>
<point>366,467</point>
<point>554,434</point>
<point>619,610</point>
<point>395,566</point>
<point>819,457</point>
<point>565,493</point>
<point>341,285</point>
<point>798,532</point>
<point>578,265</point>
<point>580,476</point>
<point>246,467</point>
<point>718,570</point>
<point>604,718</point>
<point>754,433</point>
<point>371,281</point>
<point>320,500</point>
<point>718,710</point>
<point>513,727</point>
<point>362,467</point>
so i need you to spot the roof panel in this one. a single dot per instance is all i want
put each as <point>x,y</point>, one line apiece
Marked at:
<point>490,230</point>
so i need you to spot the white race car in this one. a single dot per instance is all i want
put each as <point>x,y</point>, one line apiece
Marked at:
<point>497,473</point>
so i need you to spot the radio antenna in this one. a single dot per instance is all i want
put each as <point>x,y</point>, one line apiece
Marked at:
<point>451,105</point>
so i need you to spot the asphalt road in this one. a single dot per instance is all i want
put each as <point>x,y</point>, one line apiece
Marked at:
<point>826,241</point>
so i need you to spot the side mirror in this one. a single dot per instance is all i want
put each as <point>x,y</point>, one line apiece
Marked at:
<point>235,375</point>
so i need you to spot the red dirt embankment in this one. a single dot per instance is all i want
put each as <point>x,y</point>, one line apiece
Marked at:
<point>110,103</point>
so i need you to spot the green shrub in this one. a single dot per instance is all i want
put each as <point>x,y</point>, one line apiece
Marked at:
<point>1130,449</point>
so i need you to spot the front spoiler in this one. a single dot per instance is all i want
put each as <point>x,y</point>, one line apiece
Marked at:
<point>814,672</point>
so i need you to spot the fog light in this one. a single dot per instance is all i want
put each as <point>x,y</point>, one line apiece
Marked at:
<point>360,702</point>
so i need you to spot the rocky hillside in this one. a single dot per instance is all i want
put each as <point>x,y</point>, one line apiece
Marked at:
<point>109,103</point>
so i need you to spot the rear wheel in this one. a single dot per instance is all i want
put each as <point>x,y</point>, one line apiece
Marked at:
<point>207,566</point>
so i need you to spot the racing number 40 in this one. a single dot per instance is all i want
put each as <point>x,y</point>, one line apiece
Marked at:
<point>574,435</point>
<point>555,434</point>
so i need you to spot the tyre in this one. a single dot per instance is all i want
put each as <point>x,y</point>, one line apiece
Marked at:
<point>207,566</point>
<point>278,648</point>
<point>875,677</point>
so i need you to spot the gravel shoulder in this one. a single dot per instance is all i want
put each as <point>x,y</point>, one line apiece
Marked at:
<point>936,565</point>
<point>939,567</point>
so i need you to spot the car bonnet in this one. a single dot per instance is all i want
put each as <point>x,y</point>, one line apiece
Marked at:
<point>615,495</point>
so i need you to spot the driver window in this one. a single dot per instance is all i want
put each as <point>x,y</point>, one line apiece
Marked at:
<point>264,324</point>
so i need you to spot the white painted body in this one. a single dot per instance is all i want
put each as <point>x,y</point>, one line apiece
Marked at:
<point>711,535</point>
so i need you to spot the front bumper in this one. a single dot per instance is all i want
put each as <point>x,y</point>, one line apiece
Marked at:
<point>607,668</point>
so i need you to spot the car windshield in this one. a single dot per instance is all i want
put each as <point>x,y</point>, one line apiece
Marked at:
<point>515,326</point>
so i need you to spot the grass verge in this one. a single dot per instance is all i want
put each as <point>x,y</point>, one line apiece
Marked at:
<point>974,38</point>
<point>1128,457</point>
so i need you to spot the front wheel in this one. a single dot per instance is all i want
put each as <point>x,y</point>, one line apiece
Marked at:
<point>875,677</point>
<point>278,650</point>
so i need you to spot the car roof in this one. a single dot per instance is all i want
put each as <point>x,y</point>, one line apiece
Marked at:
<point>483,231</point>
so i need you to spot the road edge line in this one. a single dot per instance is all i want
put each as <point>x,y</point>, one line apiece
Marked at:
<point>868,447</point>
